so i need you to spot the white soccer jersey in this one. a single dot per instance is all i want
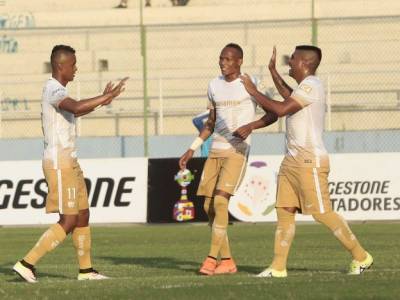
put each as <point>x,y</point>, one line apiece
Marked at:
<point>304,144</point>
<point>58,127</point>
<point>234,108</point>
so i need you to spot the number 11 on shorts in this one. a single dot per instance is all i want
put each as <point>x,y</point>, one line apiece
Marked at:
<point>71,193</point>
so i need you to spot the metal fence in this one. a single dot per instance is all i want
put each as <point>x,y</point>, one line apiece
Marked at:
<point>360,68</point>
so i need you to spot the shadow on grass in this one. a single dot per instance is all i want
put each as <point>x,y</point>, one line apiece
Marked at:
<point>7,270</point>
<point>314,269</point>
<point>170,263</point>
<point>251,270</point>
<point>254,270</point>
<point>155,262</point>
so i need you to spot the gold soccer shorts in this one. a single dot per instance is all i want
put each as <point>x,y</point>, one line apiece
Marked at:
<point>67,190</point>
<point>222,173</point>
<point>304,188</point>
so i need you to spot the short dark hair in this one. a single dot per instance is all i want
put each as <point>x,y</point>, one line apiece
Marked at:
<point>59,49</point>
<point>315,49</point>
<point>237,47</point>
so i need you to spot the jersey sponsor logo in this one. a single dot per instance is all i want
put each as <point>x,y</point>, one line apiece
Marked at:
<point>26,193</point>
<point>305,88</point>
<point>228,103</point>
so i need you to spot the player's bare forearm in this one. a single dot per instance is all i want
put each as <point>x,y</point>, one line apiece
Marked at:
<point>82,114</point>
<point>85,106</point>
<point>82,107</point>
<point>264,101</point>
<point>283,88</point>
<point>260,123</point>
<point>266,120</point>
<point>245,130</point>
<point>209,125</point>
<point>205,133</point>
<point>280,109</point>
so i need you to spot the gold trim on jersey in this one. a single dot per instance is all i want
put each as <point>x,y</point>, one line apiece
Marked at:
<point>228,103</point>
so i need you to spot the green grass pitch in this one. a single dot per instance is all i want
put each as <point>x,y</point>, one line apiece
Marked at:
<point>161,261</point>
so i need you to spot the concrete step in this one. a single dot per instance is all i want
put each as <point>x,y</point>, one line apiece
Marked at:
<point>184,83</point>
<point>35,13</point>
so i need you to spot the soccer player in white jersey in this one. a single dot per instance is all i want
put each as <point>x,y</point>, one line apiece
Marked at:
<point>67,193</point>
<point>303,175</point>
<point>231,121</point>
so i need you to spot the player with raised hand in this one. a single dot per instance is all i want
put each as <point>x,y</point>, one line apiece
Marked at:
<point>303,175</point>
<point>67,194</point>
<point>231,121</point>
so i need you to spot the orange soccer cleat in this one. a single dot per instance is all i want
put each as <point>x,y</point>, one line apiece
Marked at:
<point>226,266</point>
<point>208,266</point>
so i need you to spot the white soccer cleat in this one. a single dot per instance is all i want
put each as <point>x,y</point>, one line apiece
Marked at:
<point>25,273</point>
<point>269,272</point>
<point>93,275</point>
<point>357,267</point>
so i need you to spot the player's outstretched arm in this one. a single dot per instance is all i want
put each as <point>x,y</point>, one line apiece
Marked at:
<point>205,133</point>
<point>283,88</point>
<point>85,106</point>
<point>244,131</point>
<point>288,106</point>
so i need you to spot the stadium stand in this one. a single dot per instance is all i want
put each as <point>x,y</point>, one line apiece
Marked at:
<point>360,62</point>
